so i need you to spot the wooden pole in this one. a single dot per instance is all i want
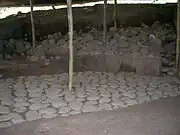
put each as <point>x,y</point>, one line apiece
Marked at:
<point>53,7</point>
<point>177,38</point>
<point>115,13</point>
<point>32,24</point>
<point>70,25</point>
<point>104,23</point>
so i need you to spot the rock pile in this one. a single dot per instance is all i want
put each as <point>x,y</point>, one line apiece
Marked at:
<point>130,46</point>
<point>13,47</point>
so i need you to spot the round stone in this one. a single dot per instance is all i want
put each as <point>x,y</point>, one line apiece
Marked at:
<point>90,108</point>
<point>155,96</point>
<point>49,116</point>
<point>141,93</point>
<point>7,101</point>
<point>20,99</point>
<point>35,94</point>
<point>118,104</point>
<point>150,92</point>
<point>4,109</point>
<point>93,97</point>
<point>115,97</point>
<point>20,109</point>
<point>20,93</point>
<point>37,99</point>
<point>129,94</point>
<point>5,117</point>
<point>105,106</point>
<point>131,102</point>
<point>81,94</point>
<point>105,94</point>
<point>32,115</point>
<point>56,103</point>
<point>16,118</point>
<point>74,112</point>
<point>105,100</point>
<point>20,104</point>
<point>64,110</point>
<point>91,102</point>
<point>52,91</point>
<point>81,99</point>
<point>141,99</point>
<point>69,97</point>
<point>75,105</point>
<point>33,89</point>
<point>47,111</point>
<point>37,106</point>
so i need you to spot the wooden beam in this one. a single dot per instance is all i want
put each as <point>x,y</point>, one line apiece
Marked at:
<point>104,23</point>
<point>115,13</point>
<point>32,24</point>
<point>177,38</point>
<point>70,25</point>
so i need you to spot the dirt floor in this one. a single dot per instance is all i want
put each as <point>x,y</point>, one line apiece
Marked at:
<point>15,68</point>
<point>160,117</point>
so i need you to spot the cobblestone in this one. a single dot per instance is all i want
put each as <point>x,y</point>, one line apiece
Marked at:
<point>19,104</point>
<point>76,105</point>
<point>4,109</point>
<point>32,115</point>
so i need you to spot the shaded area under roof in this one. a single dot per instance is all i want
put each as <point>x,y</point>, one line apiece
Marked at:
<point>39,2</point>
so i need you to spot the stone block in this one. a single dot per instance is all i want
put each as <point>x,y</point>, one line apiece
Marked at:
<point>149,65</point>
<point>156,47</point>
<point>113,63</point>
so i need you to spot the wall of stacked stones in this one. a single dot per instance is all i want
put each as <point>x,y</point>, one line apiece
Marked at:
<point>144,44</point>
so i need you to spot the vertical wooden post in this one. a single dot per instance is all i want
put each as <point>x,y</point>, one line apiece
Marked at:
<point>32,24</point>
<point>177,38</point>
<point>115,13</point>
<point>104,23</point>
<point>53,7</point>
<point>70,25</point>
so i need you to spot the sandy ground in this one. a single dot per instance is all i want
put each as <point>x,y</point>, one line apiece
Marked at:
<point>160,117</point>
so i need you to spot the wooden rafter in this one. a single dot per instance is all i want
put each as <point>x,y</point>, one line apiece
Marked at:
<point>70,26</point>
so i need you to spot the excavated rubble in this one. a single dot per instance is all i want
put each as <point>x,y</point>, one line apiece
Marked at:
<point>126,47</point>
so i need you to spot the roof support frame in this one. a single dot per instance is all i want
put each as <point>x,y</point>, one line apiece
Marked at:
<point>70,32</point>
<point>32,24</point>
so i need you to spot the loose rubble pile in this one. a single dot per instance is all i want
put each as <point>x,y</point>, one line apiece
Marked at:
<point>12,48</point>
<point>128,47</point>
<point>47,96</point>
